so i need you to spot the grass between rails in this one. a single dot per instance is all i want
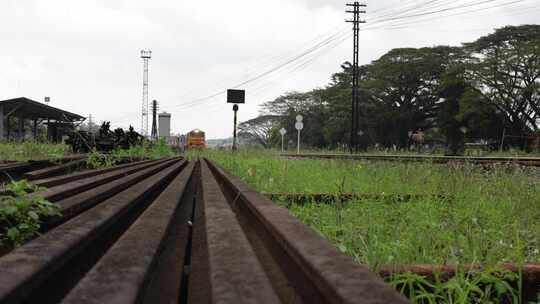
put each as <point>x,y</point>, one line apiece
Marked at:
<point>471,215</point>
<point>29,150</point>
<point>482,219</point>
<point>424,152</point>
<point>269,173</point>
<point>21,151</point>
<point>147,150</point>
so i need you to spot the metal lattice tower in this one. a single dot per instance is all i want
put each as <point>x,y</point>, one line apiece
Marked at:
<point>355,96</point>
<point>145,55</point>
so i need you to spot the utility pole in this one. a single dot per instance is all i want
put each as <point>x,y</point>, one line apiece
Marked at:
<point>355,97</point>
<point>145,55</point>
<point>154,120</point>
<point>234,146</point>
<point>90,123</point>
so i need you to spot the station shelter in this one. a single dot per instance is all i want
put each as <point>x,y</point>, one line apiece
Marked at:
<point>22,118</point>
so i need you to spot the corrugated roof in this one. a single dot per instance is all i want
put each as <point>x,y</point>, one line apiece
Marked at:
<point>32,109</point>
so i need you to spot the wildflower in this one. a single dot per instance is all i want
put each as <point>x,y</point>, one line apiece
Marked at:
<point>251,172</point>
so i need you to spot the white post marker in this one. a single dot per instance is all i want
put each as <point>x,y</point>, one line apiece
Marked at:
<point>299,126</point>
<point>282,131</point>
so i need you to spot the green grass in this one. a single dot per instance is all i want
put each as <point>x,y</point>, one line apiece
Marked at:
<point>22,151</point>
<point>151,151</point>
<point>423,152</point>
<point>490,285</point>
<point>269,173</point>
<point>17,151</point>
<point>480,216</point>
<point>423,231</point>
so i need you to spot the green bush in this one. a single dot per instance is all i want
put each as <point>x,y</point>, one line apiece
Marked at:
<point>99,160</point>
<point>21,215</point>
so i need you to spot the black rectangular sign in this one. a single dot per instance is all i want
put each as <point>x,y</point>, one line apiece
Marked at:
<point>236,96</point>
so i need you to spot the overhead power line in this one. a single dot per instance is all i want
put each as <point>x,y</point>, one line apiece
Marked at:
<point>404,15</point>
<point>401,24</point>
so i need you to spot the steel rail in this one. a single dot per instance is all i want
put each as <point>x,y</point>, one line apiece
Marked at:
<point>530,274</point>
<point>74,205</point>
<point>47,267</point>
<point>58,180</point>
<point>235,273</point>
<point>523,161</point>
<point>331,198</point>
<point>121,273</point>
<point>72,188</point>
<point>55,170</point>
<point>302,266</point>
<point>17,169</point>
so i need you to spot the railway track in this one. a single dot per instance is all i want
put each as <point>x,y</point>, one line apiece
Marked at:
<point>522,161</point>
<point>48,168</point>
<point>15,170</point>
<point>333,198</point>
<point>173,231</point>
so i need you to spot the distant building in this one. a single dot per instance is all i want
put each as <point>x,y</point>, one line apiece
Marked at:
<point>164,126</point>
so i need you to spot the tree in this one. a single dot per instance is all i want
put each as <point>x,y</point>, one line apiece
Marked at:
<point>403,89</point>
<point>461,108</point>
<point>311,105</point>
<point>506,68</point>
<point>259,129</point>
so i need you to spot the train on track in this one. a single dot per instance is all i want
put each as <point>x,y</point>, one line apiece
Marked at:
<point>195,139</point>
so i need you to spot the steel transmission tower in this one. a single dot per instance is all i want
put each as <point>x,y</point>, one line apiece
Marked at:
<point>145,55</point>
<point>355,96</point>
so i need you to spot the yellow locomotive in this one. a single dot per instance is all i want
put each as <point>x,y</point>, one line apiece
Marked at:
<point>195,140</point>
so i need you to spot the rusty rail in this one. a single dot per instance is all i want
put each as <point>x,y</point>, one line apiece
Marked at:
<point>108,283</point>
<point>18,169</point>
<point>58,180</point>
<point>45,269</point>
<point>55,170</point>
<point>300,265</point>
<point>530,274</point>
<point>331,198</point>
<point>522,161</point>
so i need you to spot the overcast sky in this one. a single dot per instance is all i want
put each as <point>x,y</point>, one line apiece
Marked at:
<point>85,54</point>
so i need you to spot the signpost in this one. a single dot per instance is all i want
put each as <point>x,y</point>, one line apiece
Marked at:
<point>282,132</point>
<point>299,126</point>
<point>236,97</point>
